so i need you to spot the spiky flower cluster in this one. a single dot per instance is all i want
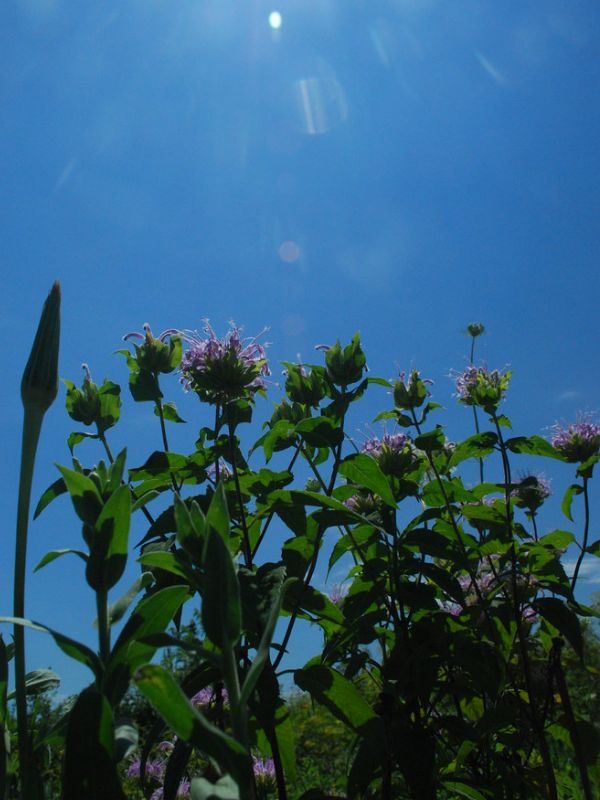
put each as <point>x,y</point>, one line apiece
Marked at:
<point>479,386</point>
<point>531,492</point>
<point>338,593</point>
<point>264,770</point>
<point>392,452</point>
<point>578,441</point>
<point>223,369</point>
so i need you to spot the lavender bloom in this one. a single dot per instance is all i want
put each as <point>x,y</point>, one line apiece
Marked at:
<point>578,441</point>
<point>338,593</point>
<point>362,503</point>
<point>531,492</point>
<point>207,696</point>
<point>264,770</point>
<point>392,452</point>
<point>154,769</point>
<point>478,386</point>
<point>223,369</point>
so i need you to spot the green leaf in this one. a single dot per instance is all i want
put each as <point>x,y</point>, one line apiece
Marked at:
<point>169,413</point>
<point>151,615</point>
<point>557,539</point>
<point>477,446</point>
<point>89,768</point>
<point>57,488</point>
<point>432,440</point>
<point>221,606</point>
<point>109,395</point>
<point>161,689</point>
<point>262,651</point>
<point>224,789</point>
<point>217,515</point>
<point>84,494</point>
<point>76,650</point>
<point>78,436</point>
<point>144,386</point>
<point>572,490</point>
<point>126,739</point>
<point>163,560</point>
<point>563,619</point>
<point>191,528</point>
<point>117,610</point>
<point>320,432</point>
<point>329,687</point>
<point>463,790</point>
<point>364,471</point>
<point>158,465</point>
<point>108,553</point>
<point>51,555</point>
<point>533,446</point>
<point>38,681</point>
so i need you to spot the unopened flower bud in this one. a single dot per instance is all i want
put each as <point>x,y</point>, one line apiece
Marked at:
<point>39,385</point>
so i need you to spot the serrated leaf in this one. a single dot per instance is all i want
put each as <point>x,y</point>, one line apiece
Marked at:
<point>533,446</point>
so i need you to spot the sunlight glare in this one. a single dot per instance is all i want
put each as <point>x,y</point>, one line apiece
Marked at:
<point>275,20</point>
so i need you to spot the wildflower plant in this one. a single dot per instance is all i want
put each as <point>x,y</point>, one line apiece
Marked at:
<point>442,653</point>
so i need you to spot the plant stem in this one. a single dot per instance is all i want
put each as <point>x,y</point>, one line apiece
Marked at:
<point>103,624</point>
<point>476,419</point>
<point>238,491</point>
<point>586,533</point>
<point>536,722</point>
<point>563,690</point>
<point>32,424</point>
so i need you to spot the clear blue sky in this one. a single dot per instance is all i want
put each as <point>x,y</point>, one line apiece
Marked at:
<point>400,167</point>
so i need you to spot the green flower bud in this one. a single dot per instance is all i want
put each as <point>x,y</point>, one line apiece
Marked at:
<point>345,365</point>
<point>39,385</point>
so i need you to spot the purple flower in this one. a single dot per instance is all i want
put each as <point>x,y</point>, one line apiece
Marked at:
<point>578,441</point>
<point>154,769</point>
<point>478,386</point>
<point>363,503</point>
<point>223,369</point>
<point>208,696</point>
<point>264,770</point>
<point>531,491</point>
<point>392,452</point>
<point>338,593</point>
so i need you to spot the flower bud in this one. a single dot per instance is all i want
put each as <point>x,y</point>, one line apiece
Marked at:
<point>39,385</point>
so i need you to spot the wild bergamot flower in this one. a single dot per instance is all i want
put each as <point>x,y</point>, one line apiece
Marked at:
<point>223,369</point>
<point>479,386</point>
<point>578,441</point>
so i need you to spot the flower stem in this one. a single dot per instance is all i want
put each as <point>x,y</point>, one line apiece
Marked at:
<point>32,424</point>
<point>586,533</point>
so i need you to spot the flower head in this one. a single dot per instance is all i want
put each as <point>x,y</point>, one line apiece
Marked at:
<point>531,491</point>
<point>223,369</point>
<point>208,696</point>
<point>392,452</point>
<point>154,354</point>
<point>264,770</point>
<point>479,386</point>
<point>578,441</point>
<point>338,593</point>
<point>411,393</point>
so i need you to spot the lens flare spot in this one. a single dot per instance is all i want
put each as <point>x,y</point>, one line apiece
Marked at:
<point>289,252</point>
<point>275,20</point>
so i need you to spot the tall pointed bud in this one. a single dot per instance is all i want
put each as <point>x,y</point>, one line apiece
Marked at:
<point>39,386</point>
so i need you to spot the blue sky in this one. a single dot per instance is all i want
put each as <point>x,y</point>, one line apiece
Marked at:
<point>400,168</point>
